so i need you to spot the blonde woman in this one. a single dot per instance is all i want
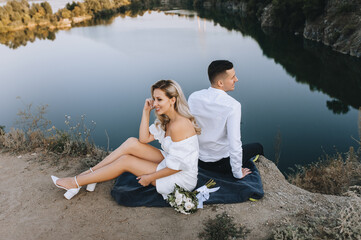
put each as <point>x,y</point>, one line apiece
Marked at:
<point>177,163</point>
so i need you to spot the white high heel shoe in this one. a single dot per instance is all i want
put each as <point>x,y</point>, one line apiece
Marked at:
<point>91,187</point>
<point>69,192</point>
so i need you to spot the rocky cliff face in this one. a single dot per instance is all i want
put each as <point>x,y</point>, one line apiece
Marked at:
<point>339,27</point>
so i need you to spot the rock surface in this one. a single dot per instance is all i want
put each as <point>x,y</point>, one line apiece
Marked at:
<point>339,27</point>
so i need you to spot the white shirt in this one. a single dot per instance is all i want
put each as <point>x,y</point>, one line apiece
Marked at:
<point>219,116</point>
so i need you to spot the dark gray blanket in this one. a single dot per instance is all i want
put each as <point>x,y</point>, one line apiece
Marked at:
<point>128,192</point>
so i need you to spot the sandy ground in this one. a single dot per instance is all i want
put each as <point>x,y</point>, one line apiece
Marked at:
<point>33,208</point>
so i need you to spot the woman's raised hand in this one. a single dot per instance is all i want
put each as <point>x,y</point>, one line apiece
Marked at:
<point>148,105</point>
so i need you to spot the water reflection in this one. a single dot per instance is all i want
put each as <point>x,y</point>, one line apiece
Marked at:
<point>20,38</point>
<point>335,74</point>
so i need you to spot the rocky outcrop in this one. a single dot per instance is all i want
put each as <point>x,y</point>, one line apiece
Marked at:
<point>339,27</point>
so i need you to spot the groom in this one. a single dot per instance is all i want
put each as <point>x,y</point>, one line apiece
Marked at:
<point>219,116</point>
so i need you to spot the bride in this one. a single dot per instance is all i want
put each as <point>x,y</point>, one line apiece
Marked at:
<point>177,163</point>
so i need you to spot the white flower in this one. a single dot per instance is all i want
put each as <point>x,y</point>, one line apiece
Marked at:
<point>188,200</point>
<point>188,206</point>
<point>177,194</point>
<point>178,201</point>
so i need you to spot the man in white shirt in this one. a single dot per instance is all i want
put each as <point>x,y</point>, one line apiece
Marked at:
<point>219,116</point>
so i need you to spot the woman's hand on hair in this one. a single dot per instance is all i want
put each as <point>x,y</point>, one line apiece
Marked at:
<point>148,105</point>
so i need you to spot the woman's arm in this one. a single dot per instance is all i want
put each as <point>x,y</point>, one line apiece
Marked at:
<point>144,134</point>
<point>147,179</point>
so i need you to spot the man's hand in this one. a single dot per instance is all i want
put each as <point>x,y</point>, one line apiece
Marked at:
<point>245,172</point>
<point>145,180</point>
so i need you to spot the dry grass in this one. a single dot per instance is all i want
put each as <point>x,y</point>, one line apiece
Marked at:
<point>15,139</point>
<point>337,223</point>
<point>331,175</point>
<point>33,133</point>
<point>334,174</point>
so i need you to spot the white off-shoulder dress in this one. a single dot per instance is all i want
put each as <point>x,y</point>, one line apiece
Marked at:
<point>182,155</point>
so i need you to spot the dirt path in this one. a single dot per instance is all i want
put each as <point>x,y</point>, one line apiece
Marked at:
<point>33,208</point>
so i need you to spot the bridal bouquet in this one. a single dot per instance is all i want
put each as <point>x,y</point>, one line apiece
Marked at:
<point>187,202</point>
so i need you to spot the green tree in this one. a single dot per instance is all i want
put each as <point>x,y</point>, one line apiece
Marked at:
<point>15,16</point>
<point>26,19</point>
<point>92,6</point>
<point>4,16</point>
<point>48,10</point>
<point>3,28</point>
<point>65,13</point>
<point>76,11</point>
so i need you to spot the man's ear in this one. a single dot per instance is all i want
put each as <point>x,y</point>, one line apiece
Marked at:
<point>220,83</point>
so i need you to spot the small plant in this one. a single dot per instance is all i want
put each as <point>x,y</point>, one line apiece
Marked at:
<point>222,228</point>
<point>74,141</point>
<point>277,146</point>
<point>32,120</point>
<point>349,226</point>
<point>290,232</point>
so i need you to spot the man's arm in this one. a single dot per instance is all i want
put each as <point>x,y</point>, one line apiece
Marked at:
<point>234,139</point>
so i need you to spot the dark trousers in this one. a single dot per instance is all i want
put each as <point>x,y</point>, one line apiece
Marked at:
<point>224,166</point>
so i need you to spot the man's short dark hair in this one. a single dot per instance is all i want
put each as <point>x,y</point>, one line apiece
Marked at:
<point>216,67</point>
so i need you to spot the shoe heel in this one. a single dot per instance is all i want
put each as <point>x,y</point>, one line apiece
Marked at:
<point>71,193</point>
<point>91,187</point>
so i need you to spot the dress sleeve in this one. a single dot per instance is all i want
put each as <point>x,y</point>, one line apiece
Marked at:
<point>182,155</point>
<point>157,132</point>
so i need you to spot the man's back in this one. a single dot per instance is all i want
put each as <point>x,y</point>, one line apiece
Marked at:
<point>214,111</point>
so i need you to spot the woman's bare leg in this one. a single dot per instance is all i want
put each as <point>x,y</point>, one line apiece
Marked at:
<point>125,163</point>
<point>131,146</point>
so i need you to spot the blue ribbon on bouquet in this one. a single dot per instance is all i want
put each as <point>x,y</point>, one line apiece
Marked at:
<point>203,194</point>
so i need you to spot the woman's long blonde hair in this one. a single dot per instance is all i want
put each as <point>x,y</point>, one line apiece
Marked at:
<point>172,89</point>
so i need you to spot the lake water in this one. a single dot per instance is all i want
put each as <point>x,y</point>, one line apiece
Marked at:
<point>302,91</point>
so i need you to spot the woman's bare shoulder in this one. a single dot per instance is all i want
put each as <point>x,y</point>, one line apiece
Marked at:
<point>181,129</point>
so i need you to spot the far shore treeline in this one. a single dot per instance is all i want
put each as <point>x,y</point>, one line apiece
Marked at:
<point>20,15</point>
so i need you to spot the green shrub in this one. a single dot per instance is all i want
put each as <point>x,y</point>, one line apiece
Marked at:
<point>222,228</point>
